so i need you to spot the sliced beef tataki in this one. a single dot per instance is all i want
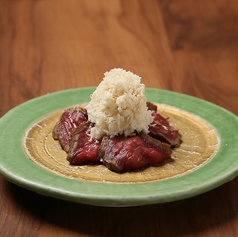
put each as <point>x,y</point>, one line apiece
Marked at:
<point>83,148</point>
<point>69,120</point>
<point>126,153</point>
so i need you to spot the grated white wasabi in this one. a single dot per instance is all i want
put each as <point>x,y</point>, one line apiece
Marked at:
<point>118,105</point>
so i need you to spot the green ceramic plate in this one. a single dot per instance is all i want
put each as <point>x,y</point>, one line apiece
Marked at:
<point>18,168</point>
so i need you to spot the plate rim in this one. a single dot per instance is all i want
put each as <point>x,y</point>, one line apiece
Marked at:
<point>104,193</point>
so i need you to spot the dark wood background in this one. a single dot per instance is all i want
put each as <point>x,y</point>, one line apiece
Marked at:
<point>186,46</point>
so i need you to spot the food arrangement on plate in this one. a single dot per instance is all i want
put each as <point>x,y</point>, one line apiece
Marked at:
<point>118,127</point>
<point>196,166</point>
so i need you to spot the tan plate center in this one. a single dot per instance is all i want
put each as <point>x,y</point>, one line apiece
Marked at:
<point>200,144</point>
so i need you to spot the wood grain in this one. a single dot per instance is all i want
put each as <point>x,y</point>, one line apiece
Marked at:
<point>184,46</point>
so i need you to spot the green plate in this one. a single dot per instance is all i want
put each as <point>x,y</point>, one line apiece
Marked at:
<point>18,168</point>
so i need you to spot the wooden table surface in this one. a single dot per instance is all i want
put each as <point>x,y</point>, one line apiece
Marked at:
<point>186,46</point>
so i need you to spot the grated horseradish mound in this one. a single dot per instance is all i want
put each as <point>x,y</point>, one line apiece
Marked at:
<point>118,105</point>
